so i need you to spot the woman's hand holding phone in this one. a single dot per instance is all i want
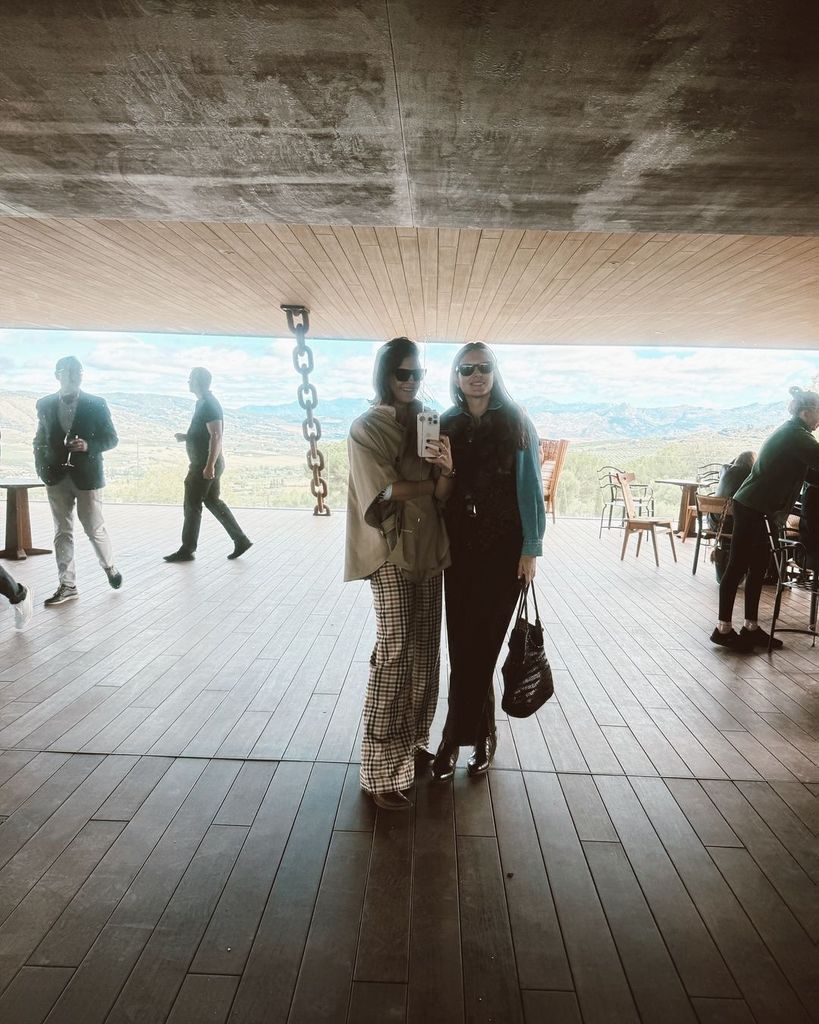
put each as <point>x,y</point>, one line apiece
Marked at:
<point>439,453</point>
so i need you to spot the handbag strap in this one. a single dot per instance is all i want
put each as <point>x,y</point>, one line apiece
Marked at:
<point>534,602</point>
<point>523,604</point>
<point>521,609</point>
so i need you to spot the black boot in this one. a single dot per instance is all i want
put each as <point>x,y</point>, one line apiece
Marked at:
<point>443,767</point>
<point>481,756</point>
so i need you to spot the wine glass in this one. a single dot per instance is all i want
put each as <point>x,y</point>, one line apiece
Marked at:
<point>69,437</point>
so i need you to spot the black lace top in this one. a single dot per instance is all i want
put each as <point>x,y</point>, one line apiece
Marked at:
<point>482,514</point>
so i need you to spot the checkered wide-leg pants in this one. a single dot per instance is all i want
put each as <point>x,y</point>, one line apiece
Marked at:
<point>403,686</point>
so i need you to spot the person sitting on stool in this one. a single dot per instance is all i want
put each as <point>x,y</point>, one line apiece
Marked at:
<point>203,441</point>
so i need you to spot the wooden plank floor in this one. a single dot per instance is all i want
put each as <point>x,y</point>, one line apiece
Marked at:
<point>182,837</point>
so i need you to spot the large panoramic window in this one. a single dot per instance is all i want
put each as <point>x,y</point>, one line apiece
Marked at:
<point>658,412</point>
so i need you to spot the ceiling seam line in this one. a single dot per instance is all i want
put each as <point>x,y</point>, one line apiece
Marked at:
<point>400,114</point>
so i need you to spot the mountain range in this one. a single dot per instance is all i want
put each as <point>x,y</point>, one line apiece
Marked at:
<point>154,418</point>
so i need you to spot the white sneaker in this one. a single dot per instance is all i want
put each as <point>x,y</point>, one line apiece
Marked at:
<point>24,609</point>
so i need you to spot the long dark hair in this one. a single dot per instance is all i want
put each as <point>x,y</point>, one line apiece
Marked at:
<point>498,396</point>
<point>387,360</point>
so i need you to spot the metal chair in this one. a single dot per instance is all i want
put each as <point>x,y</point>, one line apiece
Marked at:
<point>642,494</point>
<point>796,570</point>
<point>708,476</point>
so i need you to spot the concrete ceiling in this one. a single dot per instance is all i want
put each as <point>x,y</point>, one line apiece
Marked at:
<point>578,171</point>
<point>624,115</point>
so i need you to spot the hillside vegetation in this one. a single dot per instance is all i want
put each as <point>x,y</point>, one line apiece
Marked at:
<point>266,452</point>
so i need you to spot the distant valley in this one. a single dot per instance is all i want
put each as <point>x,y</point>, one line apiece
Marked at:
<point>265,447</point>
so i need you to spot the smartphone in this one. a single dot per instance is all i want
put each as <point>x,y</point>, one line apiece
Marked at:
<point>429,429</point>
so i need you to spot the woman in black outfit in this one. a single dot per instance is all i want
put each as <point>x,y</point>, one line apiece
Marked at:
<point>789,455</point>
<point>495,518</point>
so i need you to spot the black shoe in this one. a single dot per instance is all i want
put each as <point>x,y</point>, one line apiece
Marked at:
<point>759,638</point>
<point>443,767</point>
<point>423,761</point>
<point>180,556</point>
<point>391,801</point>
<point>114,577</point>
<point>62,594</point>
<point>481,756</point>
<point>732,640</point>
<point>240,548</point>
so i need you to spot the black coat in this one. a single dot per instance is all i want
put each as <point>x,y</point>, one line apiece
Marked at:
<point>92,422</point>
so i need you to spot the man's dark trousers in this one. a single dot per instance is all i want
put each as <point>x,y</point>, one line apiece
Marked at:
<point>199,492</point>
<point>10,588</point>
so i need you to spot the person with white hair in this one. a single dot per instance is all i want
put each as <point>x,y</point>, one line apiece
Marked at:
<point>785,459</point>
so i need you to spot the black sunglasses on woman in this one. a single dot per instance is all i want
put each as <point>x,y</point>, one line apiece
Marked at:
<point>403,375</point>
<point>467,369</point>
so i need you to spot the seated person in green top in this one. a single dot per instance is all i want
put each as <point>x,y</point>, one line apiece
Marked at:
<point>731,477</point>
<point>789,455</point>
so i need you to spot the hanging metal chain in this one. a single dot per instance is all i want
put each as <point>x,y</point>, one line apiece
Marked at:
<point>308,400</point>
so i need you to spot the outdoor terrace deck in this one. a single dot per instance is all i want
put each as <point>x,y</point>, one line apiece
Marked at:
<point>182,837</point>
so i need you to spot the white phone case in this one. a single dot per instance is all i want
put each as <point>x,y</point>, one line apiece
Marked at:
<point>429,429</point>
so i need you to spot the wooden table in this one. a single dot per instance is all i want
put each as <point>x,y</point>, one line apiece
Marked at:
<point>18,523</point>
<point>689,489</point>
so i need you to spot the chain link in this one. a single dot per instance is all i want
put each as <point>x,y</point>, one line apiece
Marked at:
<point>307,395</point>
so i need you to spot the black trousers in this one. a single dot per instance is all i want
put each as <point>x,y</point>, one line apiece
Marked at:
<point>10,588</point>
<point>750,552</point>
<point>199,492</point>
<point>481,591</point>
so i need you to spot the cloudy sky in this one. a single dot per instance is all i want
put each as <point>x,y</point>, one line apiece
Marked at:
<point>260,370</point>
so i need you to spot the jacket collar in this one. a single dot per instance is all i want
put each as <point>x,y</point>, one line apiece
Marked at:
<point>492,407</point>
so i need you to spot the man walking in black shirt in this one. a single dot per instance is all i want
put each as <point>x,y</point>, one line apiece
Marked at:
<point>203,442</point>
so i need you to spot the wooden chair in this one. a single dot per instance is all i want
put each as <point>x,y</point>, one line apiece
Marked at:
<point>642,524</point>
<point>612,499</point>
<point>707,480</point>
<point>552,457</point>
<point>710,508</point>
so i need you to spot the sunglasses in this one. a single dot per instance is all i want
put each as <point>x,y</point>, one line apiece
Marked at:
<point>403,375</point>
<point>467,369</point>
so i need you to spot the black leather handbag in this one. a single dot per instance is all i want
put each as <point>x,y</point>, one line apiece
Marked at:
<point>527,677</point>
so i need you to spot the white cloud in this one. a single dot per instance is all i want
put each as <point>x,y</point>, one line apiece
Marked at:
<point>260,370</point>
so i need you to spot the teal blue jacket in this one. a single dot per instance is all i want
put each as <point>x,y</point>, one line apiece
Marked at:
<point>529,483</point>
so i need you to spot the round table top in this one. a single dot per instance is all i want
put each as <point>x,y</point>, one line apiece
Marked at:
<point>6,484</point>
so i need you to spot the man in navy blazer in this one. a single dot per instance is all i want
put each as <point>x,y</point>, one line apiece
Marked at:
<point>73,431</point>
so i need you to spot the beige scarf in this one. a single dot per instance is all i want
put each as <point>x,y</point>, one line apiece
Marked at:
<point>409,534</point>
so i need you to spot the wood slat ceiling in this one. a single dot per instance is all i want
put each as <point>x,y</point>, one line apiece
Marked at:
<point>501,286</point>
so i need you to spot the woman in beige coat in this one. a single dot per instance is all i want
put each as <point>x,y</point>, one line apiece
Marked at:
<point>396,539</point>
